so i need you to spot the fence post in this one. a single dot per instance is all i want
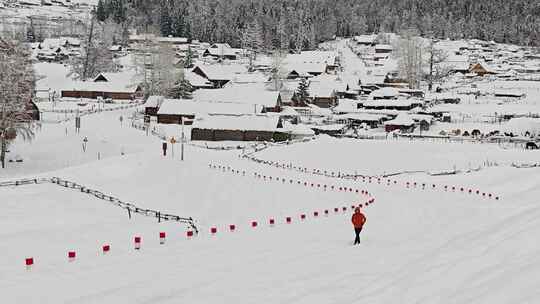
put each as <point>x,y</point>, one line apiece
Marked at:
<point>129,212</point>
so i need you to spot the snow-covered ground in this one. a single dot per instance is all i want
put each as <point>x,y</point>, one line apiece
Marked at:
<point>418,245</point>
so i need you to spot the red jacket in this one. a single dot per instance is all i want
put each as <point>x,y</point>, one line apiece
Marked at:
<point>358,219</point>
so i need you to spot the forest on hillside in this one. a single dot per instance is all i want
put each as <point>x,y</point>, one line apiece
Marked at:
<point>299,24</point>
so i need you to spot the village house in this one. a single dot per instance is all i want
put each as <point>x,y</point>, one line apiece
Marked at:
<point>197,81</point>
<point>384,93</point>
<point>482,69</point>
<point>221,50</point>
<point>299,70</point>
<point>323,90</point>
<point>105,85</point>
<point>218,74</point>
<point>398,104</point>
<point>256,96</point>
<point>402,122</point>
<point>239,128</point>
<point>185,111</point>
<point>366,40</point>
<point>358,119</point>
<point>152,104</point>
<point>383,49</point>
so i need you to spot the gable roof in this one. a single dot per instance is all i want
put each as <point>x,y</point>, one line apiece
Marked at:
<point>366,39</point>
<point>153,101</point>
<point>244,94</point>
<point>219,71</point>
<point>191,107</point>
<point>401,120</point>
<point>221,49</point>
<point>242,122</point>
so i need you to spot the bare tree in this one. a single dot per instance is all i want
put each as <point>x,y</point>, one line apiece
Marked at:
<point>278,73</point>
<point>17,84</point>
<point>409,50</point>
<point>154,62</point>
<point>436,61</point>
<point>96,56</point>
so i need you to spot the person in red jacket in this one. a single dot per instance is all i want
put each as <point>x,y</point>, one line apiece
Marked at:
<point>358,221</point>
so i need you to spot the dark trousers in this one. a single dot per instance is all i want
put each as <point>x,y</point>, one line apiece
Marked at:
<point>357,232</point>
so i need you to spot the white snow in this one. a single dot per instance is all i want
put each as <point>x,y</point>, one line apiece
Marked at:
<point>419,245</point>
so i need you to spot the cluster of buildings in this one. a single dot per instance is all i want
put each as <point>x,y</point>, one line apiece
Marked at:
<point>56,49</point>
<point>229,93</point>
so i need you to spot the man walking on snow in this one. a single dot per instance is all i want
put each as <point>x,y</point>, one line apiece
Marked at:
<point>358,220</point>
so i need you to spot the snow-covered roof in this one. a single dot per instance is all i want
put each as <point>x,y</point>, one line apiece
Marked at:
<point>221,49</point>
<point>239,93</point>
<point>153,101</point>
<point>401,120</point>
<point>332,127</point>
<point>346,106</point>
<point>385,47</point>
<point>221,71</point>
<point>392,103</point>
<point>124,82</point>
<point>299,129</point>
<point>305,68</point>
<point>197,80</point>
<point>254,77</point>
<point>362,116</point>
<point>420,117</point>
<point>365,39</point>
<point>288,111</point>
<point>243,122</point>
<point>387,92</point>
<point>172,40</point>
<point>190,107</point>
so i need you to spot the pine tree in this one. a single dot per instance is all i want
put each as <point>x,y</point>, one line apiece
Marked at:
<point>182,89</point>
<point>119,13</point>
<point>301,96</point>
<point>101,13</point>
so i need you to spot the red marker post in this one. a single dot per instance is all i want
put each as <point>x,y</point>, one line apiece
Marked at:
<point>162,238</point>
<point>29,262</point>
<point>71,256</point>
<point>137,241</point>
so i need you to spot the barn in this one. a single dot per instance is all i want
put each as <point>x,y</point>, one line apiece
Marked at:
<point>256,96</point>
<point>176,111</point>
<point>105,85</point>
<point>218,75</point>
<point>239,128</point>
<point>402,122</point>
<point>482,69</point>
<point>152,104</point>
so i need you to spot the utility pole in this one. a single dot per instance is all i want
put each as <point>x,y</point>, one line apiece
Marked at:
<point>182,142</point>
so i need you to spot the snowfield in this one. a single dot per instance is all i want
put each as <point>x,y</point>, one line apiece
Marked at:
<point>431,245</point>
<point>447,222</point>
